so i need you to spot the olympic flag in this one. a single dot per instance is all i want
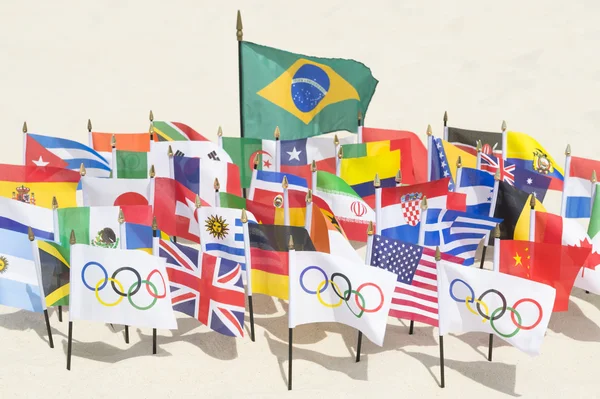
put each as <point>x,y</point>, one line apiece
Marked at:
<point>326,288</point>
<point>515,309</point>
<point>120,286</point>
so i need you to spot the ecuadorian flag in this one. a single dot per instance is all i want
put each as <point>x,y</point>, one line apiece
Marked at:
<point>304,96</point>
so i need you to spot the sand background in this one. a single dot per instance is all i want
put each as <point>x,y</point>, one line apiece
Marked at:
<point>533,64</point>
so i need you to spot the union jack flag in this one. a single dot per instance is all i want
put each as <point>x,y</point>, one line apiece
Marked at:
<point>210,290</point>
<point>491,163</point>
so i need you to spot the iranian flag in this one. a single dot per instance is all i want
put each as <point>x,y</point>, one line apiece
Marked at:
<point>351,211</point>
<point>97,191</point>
<point>93,225</point>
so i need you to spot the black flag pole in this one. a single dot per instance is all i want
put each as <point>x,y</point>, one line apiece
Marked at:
<point>54,208</point>
<point>72,241</point>
<point>248,267</point>
<point>154,235</point>
<point>239,34</point>
<point>370,232</point>
<point>290,329</point>
<point>31,237</point>
<point>438,257</point>
<point>121,221</point>
<point>497,267</point>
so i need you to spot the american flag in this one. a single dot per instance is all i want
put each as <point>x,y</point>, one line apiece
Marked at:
<point>210,290</point>
<point>415,295</point>
<point>491,163</point>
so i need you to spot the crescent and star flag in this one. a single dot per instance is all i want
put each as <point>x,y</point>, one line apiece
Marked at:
<point>513,207</point>
<point>159,154</point>
<point>19,216</point>
<point>209,289</point>
<point>93,225</point>
<point>37,185</point>
<point>98,191</point>
<point>64,153</point>
<point>20,277</point>
<point>415,294</point>
<point>175,131</point>
<point>328,288</point>
<point>54,265</point>
<point>269,265</point>
<point>243,151</point>
<point>120,286</point>
<point>478,186</point>
<point>578,187</point>
<point>466,140</point>
<point>102,143</point>
<point>512,308</point>
<point>305,96</point>
<point>444,158</point>
<point>552,264</point>
<point>414,152</point>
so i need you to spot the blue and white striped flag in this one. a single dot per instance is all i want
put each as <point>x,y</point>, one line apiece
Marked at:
<point>271,181</point>
<point>478,185</point>
<point>457,233</point>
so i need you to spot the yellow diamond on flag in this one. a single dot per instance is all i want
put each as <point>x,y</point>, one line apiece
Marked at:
<point>306,88</point>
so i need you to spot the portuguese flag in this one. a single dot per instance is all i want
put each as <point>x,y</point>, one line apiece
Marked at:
<point>303,95</point>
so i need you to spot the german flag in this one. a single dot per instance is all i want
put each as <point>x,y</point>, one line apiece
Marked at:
<point>269,258</point>
<point>55,264</point>
<point>513,207</point>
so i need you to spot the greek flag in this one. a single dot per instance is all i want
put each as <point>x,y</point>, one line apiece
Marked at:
<point>478,186</point>
<point>457,233</point>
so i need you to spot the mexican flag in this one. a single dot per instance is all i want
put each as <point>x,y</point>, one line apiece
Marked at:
<point>243,151</point>
<point>131,165</point>
<point>93,225</point>
<point>351,211</point>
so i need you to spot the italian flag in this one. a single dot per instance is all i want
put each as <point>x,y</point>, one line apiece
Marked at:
<point>351,211</point>
<point>93,225</point>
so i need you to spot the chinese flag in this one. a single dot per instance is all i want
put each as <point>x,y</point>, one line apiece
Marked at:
<point>552,264</point>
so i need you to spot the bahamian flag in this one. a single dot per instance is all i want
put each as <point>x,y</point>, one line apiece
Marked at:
<point>305,96</point>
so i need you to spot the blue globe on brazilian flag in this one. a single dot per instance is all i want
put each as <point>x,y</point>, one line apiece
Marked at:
<point>305,96</point>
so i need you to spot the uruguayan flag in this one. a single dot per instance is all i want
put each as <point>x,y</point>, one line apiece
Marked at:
<point>75,154</point>
<point>478,185</point>
<point>271,181</point>
<point>457,233</point>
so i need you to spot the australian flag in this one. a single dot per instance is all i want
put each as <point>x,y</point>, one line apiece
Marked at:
<point>532,183</point>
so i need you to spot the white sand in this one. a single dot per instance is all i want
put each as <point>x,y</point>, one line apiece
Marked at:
<point>532,63</point>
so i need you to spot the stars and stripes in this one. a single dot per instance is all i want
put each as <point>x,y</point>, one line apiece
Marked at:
<point>491,163</point>
<point>443,163</point>
<point>210,290</point>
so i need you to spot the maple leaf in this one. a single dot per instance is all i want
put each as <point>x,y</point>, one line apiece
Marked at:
<point>593,259</point>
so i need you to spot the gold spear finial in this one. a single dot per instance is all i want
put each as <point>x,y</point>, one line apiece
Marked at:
<point>479,146</point>
<point>313,166</point>
<point>459,162</point>
<point>216,184</point>
<point>429,131</point>
<point>503,127</point>
<point>24,127</point>
<point>291,243</point>
<point>72,239</point>
<point>341,152</point>
<point>244,216</point>
<point>170,151</point>
<point>81,170</point>
<point>277,133</point>
<point>438,254</point>
<point>151,131</point>
<point>255,162</point>
<point>532,201</point>
<point>445,116</point>
<point>594,179</point>
<point>377,181</point>
<point>309,196</point>
<point>359,116</point>
<point>424,203</point>
<point>220,132</point>
<point>151,116</point>
<point>152,172</point>
<point>54,203</point>
<point>30,234</point>
<point>497,175</point>
<point>197,202</point>
<point>284,183</point>
<point>336,140</point>
<point>497,231</point>
<point>370,230</point>
<point>239,27</point>
<point>398,178</point>
<point>568,150</point>
<point>89,126</point>
<point>113,141</point>
<point>154,224</point>
<point>121,218</point>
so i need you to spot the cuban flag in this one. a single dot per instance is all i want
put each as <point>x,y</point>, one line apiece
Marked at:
<point>272,181</point>
<point>457,233</point>
<point>478,186</point>
<point>63,153</point>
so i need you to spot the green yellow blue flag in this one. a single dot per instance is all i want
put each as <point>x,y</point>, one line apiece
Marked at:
<point>305,96</point>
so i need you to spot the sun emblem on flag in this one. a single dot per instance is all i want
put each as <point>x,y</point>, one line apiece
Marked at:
<point>217,227</point>
<point>3,264</point>
<point>106,238</point>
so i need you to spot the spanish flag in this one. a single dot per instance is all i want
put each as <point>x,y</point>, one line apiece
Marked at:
<point>37,185</point>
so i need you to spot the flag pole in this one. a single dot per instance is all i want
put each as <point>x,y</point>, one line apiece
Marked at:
<point>151,129</point>
<point>24,142</point>
<point>532,218</point>
<point>220,137</point>
<point>563,204</point>
<point>313,175</point>
<point>504,140</point>
<point>154,236</point>
<point>438,257</point>
<point>217,187</point>
<point>309,211</point>
<point>398,178</point>
<point>113,146</point>
<point>458,173</point>
<point>248,270</point>
<point>429,145</point>
<point>38,272</point>
<point>491,214</point>
<point>422,223</point>
<point>240,37</point>
<point>277,136</point>
<point>123,245</point>
<point>496,270</point>
<point>367,261</point>
<point>340,154</point>
<point>359,136</point>
<point>593,180</point>
<point>56,233</point>
<point>377,185</point>
<point>446,125</point>
<point>478,165</point>
<point>72,241</point>
<point>286,202</point>
<point>90,135</point>
<point>292,263</point>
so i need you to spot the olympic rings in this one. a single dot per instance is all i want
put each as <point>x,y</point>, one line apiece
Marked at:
<point>118,288</point>
<point>343,295</point>
<point>498,312</point>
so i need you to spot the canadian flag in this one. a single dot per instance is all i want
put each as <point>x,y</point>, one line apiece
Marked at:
<point>175,209</point>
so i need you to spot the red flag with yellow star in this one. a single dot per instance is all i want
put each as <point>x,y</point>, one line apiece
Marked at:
<point>551,264</point>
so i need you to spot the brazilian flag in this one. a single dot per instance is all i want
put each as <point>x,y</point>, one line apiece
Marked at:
<point>304,96</point>
<point>55,264</point>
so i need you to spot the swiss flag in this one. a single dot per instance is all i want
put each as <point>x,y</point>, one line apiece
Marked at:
<point>37,155</point>
<point>175,209</point>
